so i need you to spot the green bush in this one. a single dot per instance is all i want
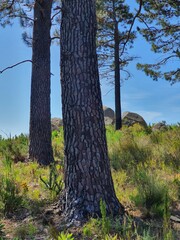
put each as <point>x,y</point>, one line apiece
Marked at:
<point>54,183</point>
<point>127,154</point>
<point>10,197</point>
<point>25,231</point>
<point>58,145</point>
<point>14,148</point>
<point>65,236</point>
<point>105,221</point>
<point>166,147</point>
<point>2,234</point>
<point>151,193</point>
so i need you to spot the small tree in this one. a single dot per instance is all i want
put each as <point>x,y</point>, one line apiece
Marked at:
<point>114,38</point>
<point>40,147</point>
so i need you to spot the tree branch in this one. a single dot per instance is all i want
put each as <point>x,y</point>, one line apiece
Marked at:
<point>133,21</point>
<point>53,38</point>
<point>21,16</point>
<point>1,71</point>
<point>8,7</point>
<point>55,14</point>
<point>108,92</point>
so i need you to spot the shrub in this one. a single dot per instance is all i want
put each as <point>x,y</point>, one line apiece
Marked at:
<point>166,148</point>
<point>126,153</point>
<point>54,183</point>
<point>25,231</point>
<point>14,148</point>
<point>151,193</point>
<point>9,195</point>
<point>58,145</point>
<point>105,221</point>
<point>2,234</point>
<point>65,236</point>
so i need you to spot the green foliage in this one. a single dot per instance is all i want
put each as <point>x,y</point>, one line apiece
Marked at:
<point>167,231</point>
<point>100,226</point>
<point>54,183</point>
<point>14,149</point>
<point>65,236</point>
<point>110,237</point>
<point>7,164</point>
<point>163,34</point>
<point>166,146</point>
<point>25,231</point>
<point>126,153</point>
<point>92,227</point>
<point>58,145</point>
<point>151,193</point>
<point>112,135</point>
<point>137,148</point>
<point>176,182</point>
<point>105,221</point>
<point>10,197</point>
<point>147,235</point>
<point>114,19</point>
<point>2,234</point>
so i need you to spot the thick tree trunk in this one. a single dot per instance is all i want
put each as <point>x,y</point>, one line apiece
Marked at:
<point>87,170</point>
<point>40,147</point>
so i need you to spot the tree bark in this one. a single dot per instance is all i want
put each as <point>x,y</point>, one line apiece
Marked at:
<point>118,119</point>
<point>118,122</point>
<point>40,147</point>
<point>87,169</point>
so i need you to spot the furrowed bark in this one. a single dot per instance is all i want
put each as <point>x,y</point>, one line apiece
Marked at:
<point>40,147</point>
<point>87,170</point>
<point>118,122</point>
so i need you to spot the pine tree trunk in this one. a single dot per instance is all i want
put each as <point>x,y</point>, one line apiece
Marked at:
<point>40,147</point>
<point>118,120</point>
<point>87,170</point>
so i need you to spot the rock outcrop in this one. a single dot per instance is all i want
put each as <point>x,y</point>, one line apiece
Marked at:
<point>161,126</point>
<point>56,123</point>
<point>130,118</point>
<point>108,115</point>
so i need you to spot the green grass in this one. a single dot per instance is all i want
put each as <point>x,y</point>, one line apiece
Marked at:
<point>145,172</point>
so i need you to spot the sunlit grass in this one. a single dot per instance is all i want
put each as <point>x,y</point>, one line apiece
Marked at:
<point>132,151</point>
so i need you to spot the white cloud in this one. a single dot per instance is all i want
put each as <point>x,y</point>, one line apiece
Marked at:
<point>151,116</point>
<point>135,96</point>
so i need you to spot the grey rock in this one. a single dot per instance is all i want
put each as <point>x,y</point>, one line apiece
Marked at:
<point>56,123</point>
<point>108,112</point>
<point>130,118</point>
<point>108,121</point>
<point>161,126</point>
<point>108,115</point>
<point>175,219</point>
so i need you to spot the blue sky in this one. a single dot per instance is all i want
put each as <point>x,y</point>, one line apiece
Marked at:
<point>154,101</point>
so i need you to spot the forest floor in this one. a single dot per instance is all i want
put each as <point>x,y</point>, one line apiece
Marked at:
<point>48,223</point>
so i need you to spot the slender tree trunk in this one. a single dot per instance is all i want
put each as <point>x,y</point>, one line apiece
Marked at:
<point>87,170</point>
<point>118,120</point>
<point>40,147</point>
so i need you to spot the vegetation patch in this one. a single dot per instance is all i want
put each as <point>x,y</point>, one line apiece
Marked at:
<point>144,167</point>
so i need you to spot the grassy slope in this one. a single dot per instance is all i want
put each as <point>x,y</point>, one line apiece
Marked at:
<point>145,168</point>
